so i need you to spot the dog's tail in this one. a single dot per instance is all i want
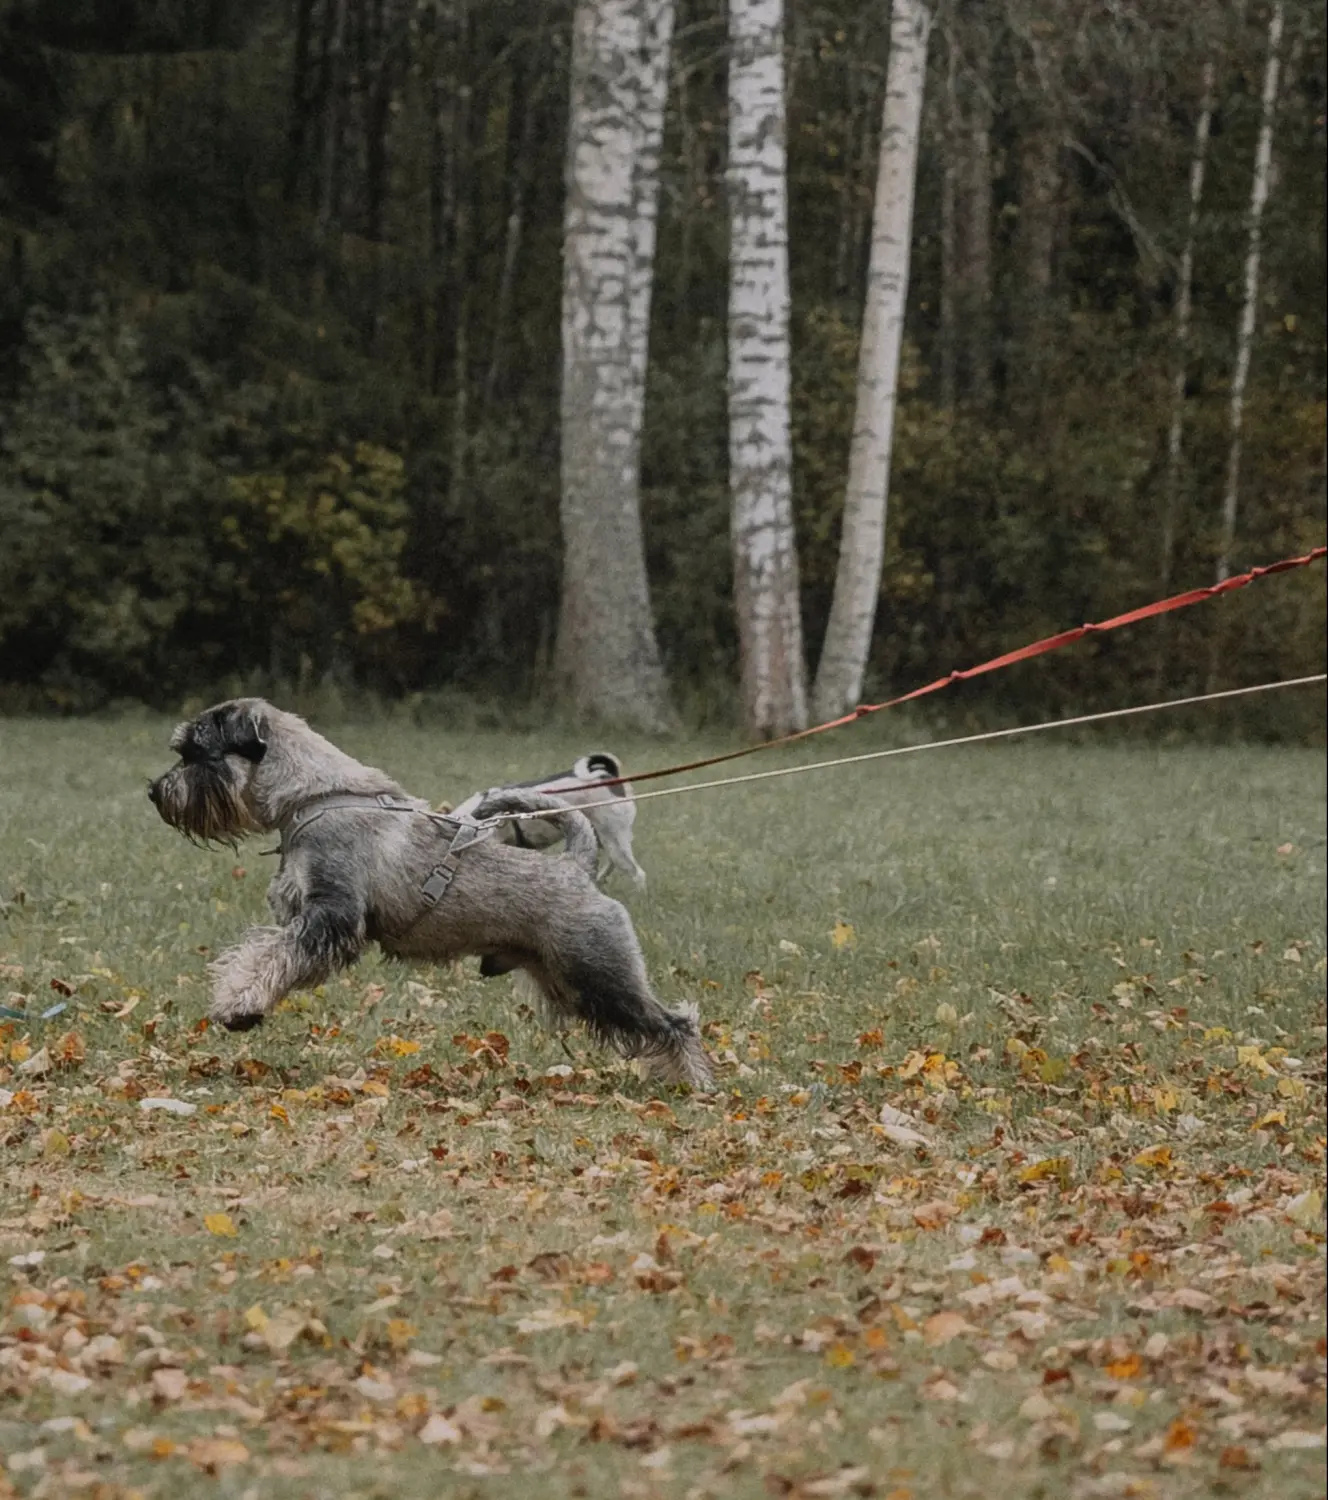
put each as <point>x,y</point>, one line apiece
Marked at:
<point>582,846</point>
<point>600,765</point>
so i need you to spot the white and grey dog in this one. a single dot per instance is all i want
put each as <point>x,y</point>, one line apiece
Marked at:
<point>363,861</point>
<point>611,812</point>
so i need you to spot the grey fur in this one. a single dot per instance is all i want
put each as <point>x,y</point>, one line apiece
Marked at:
<point>611,812</point>
<point>353,877</point>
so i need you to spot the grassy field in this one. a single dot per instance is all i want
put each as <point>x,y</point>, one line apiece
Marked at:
<point>402,1246</point>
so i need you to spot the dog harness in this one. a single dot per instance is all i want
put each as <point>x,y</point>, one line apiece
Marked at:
<point>465,832</point>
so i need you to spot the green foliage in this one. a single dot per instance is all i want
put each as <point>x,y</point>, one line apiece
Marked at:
<point>279,370</point>
<point>324,541</point>
<point>138,563</point>
<point>103,510</point>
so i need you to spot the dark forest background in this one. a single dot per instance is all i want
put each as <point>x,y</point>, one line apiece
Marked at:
<point>279,345</point>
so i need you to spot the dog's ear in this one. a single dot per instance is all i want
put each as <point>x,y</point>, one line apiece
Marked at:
<point>243,736</point>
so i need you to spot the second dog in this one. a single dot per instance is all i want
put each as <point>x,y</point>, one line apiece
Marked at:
<point>612,823</point>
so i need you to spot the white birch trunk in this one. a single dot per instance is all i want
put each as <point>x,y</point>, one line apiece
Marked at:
<point>1263,157</point>
<point>765,560</point>
<point>608,657</point>
<point>843,661</point>
<point>1184,295</point>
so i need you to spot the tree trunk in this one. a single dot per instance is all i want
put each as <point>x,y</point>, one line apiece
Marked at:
<point>843,661</point>
<point>656,40</point>
<point>607,653</point>
<point>297,128</point>
<point>975,228</point>
<point>333,63</point>
<point>463,192</point>
<point>1035,241</point>
<point>765,559</point>
<point>949,247</point>
<point>523,103</point>
<point>1184,292</point>
<point>1263,157</point>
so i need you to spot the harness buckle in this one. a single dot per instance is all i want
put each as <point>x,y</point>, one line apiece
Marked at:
<point>435,887</point>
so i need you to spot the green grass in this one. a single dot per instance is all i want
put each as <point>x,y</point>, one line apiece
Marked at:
<point>1092,977</point>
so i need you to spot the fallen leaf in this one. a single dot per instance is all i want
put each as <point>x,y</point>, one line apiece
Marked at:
<point>169,1106</point>
<point>941,1327</point>
<point>1154,1156</point>
<point>169,1384</point>
<point>220,1224</point>
<point>438,1430</point>
<point>211,1454</point>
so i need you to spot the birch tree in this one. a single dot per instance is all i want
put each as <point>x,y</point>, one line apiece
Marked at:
<point>608,656</point>
<point>1263,158</point>
<point>1184,295</point>
<point>843,660</point>
<point>765,561</point>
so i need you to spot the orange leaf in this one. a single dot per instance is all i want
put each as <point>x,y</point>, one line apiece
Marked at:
<point>69,1050</point>
<point>1236,1457</point>
<point>1125,1368</point>
<point>1180,1435</point>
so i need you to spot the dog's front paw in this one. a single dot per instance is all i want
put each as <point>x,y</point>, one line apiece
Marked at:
<point>242,1023</point>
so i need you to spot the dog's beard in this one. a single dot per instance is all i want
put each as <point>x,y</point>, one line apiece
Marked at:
<point>206,803</point>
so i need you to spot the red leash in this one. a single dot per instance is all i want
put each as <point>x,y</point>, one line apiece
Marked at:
<point>1024,653</point>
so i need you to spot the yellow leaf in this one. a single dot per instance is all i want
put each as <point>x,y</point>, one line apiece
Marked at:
<point>19,1052</point>
<point>1058,1263</point>
<point>220,1224</point>
<point>397,1046</point>
<point>1164,1100</point>
<point>1252,1057</point>
<point>1273,1117</point>
<point>255,1318</point>
<point>1053,1166</point>
<point>1291,1088</point>
<point>400,1332</point>
<point>839,1356</point>
<point>842,935</point>
<point>1154,1156</point>
<point>55,1143</point>
<point>1217,1034</point>
<point>278,1112</point>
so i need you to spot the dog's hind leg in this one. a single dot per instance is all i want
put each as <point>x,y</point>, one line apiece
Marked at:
<point>251,978</point>
<point>601,975</point>
<point>618,853</point>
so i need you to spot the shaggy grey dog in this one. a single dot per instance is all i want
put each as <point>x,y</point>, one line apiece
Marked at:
<point>362,861</point>
<point>611,812</point>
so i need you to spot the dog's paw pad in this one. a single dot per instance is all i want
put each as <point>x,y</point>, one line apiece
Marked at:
<point>242,1023</point>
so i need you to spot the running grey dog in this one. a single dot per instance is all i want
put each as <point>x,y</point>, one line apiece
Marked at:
<point>362,861</point>
<point>611,812</point>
